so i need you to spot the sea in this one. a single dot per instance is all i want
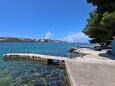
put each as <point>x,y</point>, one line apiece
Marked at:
<point>33,73</point>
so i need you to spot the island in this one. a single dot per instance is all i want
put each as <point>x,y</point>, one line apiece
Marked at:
<point>16,39</point>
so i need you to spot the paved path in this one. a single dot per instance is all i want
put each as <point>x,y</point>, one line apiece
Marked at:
<point>90,74</point>
<point>92,69</point>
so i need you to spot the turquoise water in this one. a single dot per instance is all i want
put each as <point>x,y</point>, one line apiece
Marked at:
<point>32,73</point>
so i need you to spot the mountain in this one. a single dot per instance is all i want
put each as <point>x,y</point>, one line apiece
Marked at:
<point>15,39</point>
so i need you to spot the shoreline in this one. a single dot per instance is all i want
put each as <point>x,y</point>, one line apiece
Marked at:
<point>80,66</point>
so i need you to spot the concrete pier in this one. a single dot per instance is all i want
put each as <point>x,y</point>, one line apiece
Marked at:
<point>37,57</point>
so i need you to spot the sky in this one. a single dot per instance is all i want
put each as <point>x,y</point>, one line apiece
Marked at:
<point>54,19</point>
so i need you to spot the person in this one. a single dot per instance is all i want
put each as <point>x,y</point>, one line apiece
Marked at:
<point>77,45</point>
<point>10,51</point>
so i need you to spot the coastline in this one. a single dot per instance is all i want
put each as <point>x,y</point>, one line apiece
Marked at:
<point>90,62</point>
<point>80,69</point>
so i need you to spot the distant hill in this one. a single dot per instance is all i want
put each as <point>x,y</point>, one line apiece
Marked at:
<point>15,39</point>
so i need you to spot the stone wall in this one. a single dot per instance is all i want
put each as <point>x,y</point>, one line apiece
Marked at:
<point>113,47</point>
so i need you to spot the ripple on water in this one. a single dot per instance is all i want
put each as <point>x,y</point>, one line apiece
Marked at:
<point>31,73</point>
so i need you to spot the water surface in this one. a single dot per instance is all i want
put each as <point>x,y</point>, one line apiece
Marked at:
<point>32,73</point>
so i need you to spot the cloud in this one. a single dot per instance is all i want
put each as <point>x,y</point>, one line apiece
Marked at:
<point>76,37</point>
<point>48,35</point>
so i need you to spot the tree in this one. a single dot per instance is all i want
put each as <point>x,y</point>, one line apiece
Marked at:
<point>103,5</point>
<point>101,24</point>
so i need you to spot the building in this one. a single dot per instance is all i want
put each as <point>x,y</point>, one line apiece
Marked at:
<point>113,46</point>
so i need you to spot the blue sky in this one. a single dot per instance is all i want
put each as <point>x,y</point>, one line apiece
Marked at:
<point>56,19</point>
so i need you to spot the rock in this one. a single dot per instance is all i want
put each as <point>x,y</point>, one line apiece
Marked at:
<point>72,49</point>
